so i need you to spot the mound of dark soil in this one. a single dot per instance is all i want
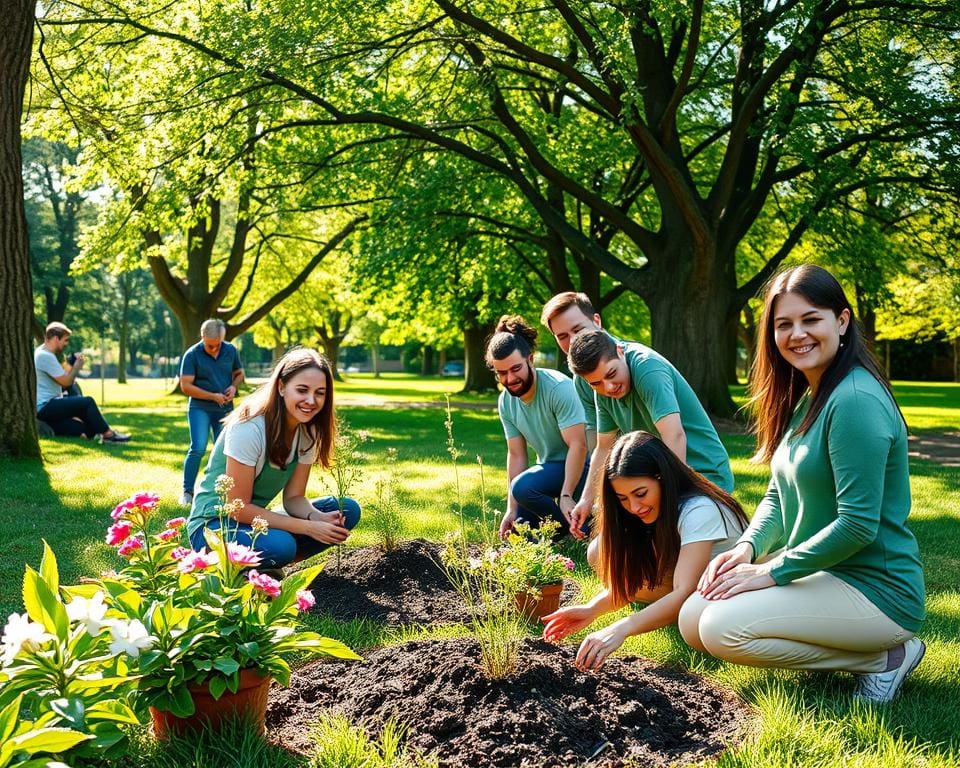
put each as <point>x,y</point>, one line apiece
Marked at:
<point>405,586</point>
<point>547,714</point>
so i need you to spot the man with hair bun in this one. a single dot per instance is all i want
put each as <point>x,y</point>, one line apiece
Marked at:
<point>539,407</point>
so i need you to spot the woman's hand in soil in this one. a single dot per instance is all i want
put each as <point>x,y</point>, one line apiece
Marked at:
<point>566,621</point>
<point>597,646</point>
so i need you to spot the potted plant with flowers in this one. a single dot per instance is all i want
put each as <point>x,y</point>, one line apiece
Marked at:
<point>528,562</point>
<point>205,631</point>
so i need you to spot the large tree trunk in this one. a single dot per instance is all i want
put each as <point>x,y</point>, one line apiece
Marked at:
<point>331,348</point>
<point>426,366</point>
<point>693,327</point>
<point>477,376</point>
<point>18,426</point>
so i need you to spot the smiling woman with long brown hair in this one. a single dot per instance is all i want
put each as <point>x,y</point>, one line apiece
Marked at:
<point>659,524</point>
<point>828,575</point>
<point>268,445</point>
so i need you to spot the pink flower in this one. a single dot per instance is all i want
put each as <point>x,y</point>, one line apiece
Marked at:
<point>130,546</point>
<point>168,534</point>
<point>118,533</point>
<point>264,583</point>
<point>121,509</point>
<point>242,554</point>
<point>197,561</point>
<point>145,500</point>
<point>569,564</point>
<point>176,522</point>
<point>180,552</point>
<point>305,599</point>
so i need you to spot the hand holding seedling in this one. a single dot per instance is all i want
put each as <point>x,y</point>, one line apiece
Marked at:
<point>327,527</point>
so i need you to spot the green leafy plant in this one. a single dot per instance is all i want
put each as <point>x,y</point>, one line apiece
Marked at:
<point>21,739</point>
<point>59,666</point>
<point>527,558</point>
<point>188,618</point>
<point>385,516</point>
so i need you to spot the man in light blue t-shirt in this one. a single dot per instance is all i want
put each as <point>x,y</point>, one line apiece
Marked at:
<point>538,407</point>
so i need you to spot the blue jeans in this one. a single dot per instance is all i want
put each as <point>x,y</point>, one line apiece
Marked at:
<point>278,548</point>
<point>537,490</point>
<point>201,422</point>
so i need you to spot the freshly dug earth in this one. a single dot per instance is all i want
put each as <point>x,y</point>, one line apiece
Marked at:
<point>405,586</point>
<point>547,714</point>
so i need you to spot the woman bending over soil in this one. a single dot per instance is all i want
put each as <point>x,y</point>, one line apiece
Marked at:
<point>827,576</point>
<point>268,445</point>
<point>660,523</point>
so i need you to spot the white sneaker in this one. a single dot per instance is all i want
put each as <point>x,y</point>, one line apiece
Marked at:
<point>882,687</point>
<point>186,499</point>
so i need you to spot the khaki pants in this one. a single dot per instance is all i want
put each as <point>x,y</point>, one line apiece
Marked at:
<point>817,622</point>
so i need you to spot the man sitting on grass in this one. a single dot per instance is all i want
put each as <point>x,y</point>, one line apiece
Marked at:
<point>69,415</point>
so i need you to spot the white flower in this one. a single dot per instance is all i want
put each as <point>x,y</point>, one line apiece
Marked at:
<point>89,612</point>
<point>475,563</point>
<point>22,634</point>
<point>130,638</point>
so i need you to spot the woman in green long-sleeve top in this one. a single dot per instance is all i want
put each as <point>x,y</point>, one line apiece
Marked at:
<point>827,576</point>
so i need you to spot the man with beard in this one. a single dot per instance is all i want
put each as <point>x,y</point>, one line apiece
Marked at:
<point>539,407</point>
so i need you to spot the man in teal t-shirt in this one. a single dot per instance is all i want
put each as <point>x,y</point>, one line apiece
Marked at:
<point>566,315</point>
<point>538,407</point>
<point>637,388</point>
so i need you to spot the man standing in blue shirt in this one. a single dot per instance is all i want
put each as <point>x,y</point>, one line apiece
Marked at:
<point>210,373</point>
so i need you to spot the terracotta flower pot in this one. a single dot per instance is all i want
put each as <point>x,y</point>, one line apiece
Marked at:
<point>534,609</point>
<point>249,701</point>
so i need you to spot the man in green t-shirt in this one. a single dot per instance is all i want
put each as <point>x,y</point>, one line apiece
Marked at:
<point>637,388</point>
<point>538,407</point>
<point>566,315</point>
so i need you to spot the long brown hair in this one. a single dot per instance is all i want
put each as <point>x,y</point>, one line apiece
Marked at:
<point>266,401</point>
<point>633,554</point>
<point>776,386</point>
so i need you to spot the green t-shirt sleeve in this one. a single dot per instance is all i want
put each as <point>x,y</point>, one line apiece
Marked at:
<point>859,437</point>
<point>588,401</point>
<point>605,420</point>
<point>509,428</point>
<point>655,385</point>
<point>765,532</point>
<point>566,405</point>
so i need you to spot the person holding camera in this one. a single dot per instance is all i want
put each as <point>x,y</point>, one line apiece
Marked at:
<point>67,415</point>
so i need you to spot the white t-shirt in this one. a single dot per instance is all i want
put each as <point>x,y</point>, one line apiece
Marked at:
<point>47,367</point>
<point>246,441</point>
<point>703,519</point>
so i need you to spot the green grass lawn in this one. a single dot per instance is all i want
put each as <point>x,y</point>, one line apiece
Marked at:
<point>802,719</point>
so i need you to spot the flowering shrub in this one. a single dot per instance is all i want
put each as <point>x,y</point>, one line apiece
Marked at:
<point>86,659</point>
<point>528,559</point>
<point>185,617</point>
